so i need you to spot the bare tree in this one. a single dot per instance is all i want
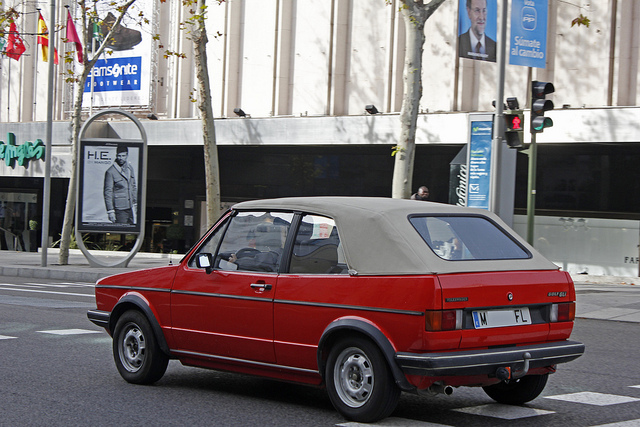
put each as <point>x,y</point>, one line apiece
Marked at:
<point>212,175</point>
<point>415,14</point>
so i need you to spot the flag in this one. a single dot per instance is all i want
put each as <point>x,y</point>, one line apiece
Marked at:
<point>72,36</point>
<point>15,46</point>
<point>43,40</point>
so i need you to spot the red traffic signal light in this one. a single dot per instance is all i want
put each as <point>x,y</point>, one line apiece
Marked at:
<point>514,130</point>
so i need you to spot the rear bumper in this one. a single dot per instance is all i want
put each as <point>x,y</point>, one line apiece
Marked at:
<point>100,318</point>
<point>486,362</point>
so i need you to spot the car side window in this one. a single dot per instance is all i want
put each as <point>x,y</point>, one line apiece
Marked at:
<point>211,244</point>
<point>254,241</point>
<point>317,248</point>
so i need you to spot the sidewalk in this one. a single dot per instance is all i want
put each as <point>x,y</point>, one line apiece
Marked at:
<point>29,264</point>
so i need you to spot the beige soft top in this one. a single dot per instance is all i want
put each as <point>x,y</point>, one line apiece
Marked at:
<point>378,239</point>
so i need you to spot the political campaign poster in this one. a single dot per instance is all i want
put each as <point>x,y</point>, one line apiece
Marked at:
<point>477,29</point>
<point>528,45</point>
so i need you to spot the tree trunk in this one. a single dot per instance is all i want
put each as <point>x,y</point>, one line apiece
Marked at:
<point>212,175</point>
<point>69,210</point>
<point>415,15</point>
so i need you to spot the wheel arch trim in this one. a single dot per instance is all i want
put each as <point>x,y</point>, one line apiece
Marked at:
<point>345,326</point>
<point>140,304</point>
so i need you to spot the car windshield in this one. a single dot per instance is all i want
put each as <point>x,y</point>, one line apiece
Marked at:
<point>467,238</point>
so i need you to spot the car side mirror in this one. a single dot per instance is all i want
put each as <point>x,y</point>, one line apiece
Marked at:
<point>205,260</point>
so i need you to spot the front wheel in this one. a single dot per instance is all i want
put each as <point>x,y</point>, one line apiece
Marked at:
<point>359,382</point>
<point>517,392</point>
<point>136,352</point>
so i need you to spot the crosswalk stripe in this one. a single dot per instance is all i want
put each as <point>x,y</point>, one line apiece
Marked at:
<point>630,423</point>
<point>394,422</point>
<point>5,337</point>
<point>70,332</point>
<point>505,412</point>
<point>591,398</point>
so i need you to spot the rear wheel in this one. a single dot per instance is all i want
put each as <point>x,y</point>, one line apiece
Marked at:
<point>359,382</point>
<point>138,357</point>
<point>517,392</point>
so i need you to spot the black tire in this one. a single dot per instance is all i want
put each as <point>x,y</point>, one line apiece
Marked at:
<point>138,357</point>
<point>359,381</point>
<point>517,392</point>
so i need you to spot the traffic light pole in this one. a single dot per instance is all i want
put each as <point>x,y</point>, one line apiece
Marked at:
<point>531,188</point>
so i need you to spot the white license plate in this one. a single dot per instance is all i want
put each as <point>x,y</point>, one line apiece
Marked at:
<point>499,318</point>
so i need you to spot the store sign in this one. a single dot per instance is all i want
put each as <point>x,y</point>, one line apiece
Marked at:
<point>115,74</point>
<point>10,152</point>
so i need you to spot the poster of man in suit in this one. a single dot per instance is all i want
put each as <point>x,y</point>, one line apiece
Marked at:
<point>477,29</point>
<point>109,187</point>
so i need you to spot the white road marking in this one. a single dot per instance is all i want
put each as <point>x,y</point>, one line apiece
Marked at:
<point>505,412</point>
<point>61,285</point>
<point>4,337</point>
<point>44,292</point>
<point>394,422</point>
<point>70,332</point>
<point>630,423</point>
<point>591,398</point>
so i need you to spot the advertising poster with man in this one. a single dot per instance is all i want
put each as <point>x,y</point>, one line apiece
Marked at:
<point>109,187</point>
<point>477,29</point>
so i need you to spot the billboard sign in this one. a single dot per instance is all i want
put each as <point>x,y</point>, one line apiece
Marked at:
<point>123,77</point>
<point>109,187</point>
<point>479,160</point>
<point>477,29</point>
<point>528,33</point>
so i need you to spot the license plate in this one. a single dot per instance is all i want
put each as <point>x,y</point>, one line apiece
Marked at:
<point>500,318</point>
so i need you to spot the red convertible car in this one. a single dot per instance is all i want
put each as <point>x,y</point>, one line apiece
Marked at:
<point>367,297</point>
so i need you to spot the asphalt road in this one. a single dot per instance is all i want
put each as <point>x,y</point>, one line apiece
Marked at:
<point>56,368</point>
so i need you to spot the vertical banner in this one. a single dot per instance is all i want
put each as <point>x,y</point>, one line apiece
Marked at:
<point>479,160</point>
<point>477,29</point>
<point>458,178</point>
<point>109,187</point>
<point>124,76</point>
<point>528,33</point>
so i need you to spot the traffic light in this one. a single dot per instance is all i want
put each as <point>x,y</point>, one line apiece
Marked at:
<point>514,128</point>
<point>539,90</point>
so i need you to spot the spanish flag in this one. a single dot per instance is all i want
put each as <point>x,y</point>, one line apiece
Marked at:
<point>43,39</point>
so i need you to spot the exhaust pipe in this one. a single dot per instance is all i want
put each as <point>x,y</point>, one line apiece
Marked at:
<point>439,388</point>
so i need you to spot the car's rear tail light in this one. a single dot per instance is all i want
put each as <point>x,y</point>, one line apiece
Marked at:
<point>443,320</point>
<point>563,312</point>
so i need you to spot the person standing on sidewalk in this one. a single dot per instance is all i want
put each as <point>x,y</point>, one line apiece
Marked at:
<point>422,194</point>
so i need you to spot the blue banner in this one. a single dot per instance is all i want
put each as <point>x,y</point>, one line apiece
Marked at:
<point>115,74</point>
<point>479,161</point>
<point>528,33</point>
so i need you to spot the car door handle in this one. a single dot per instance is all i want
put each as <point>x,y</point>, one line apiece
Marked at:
<point>261,286</point>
